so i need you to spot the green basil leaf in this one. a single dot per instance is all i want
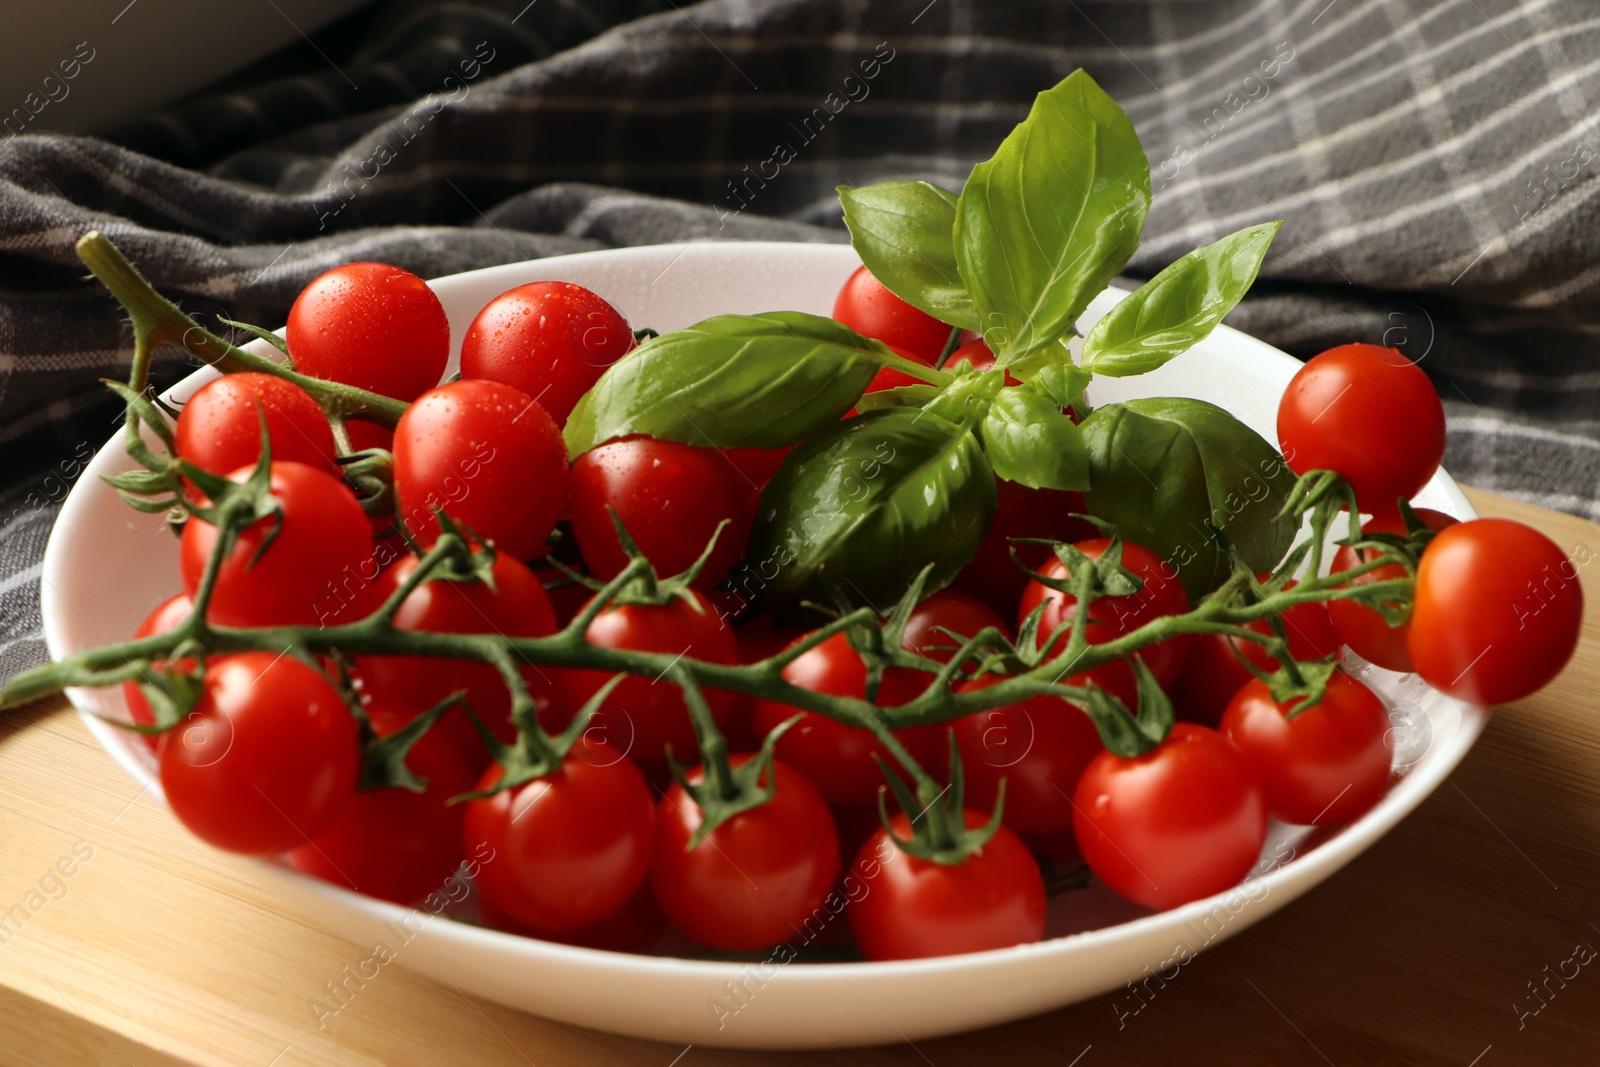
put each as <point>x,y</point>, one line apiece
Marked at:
<point>1064,383</point>
<point>733,381</point>
<point>1052,217</point>
<point>1167,470</point>
<point>1178,307</point>
<point>903,232</point>
<point>867,506</point>
<point>965,400</point>
<point>901,396</point>
<point>1029,440</point>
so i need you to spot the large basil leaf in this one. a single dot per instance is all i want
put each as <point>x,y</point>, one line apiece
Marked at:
<point>733,381</point>
<point>903,232</point>
<point>1178,307</point>
<point>866,506</point>
<point>1167,470</point>
<point>1052,217</point>
<point>1029,440</point>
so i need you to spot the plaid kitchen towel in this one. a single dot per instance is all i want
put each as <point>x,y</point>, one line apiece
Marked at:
<point>1435,161</point>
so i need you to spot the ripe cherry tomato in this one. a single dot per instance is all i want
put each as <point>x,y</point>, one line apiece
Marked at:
<point>266,760</point>
<point>1111,617</point>
<point>324,538</point>
<point>758,876</point>
<point>754,467</point>
<point>393,843</point>
<point>631,928</point>
<point>1038,746</point>
<point>1327,764</point>
<point>1213,672</point>
<point>992,576</point>
<point>914,908</point>
<point>871,310</point>
<point>516,606</point>
<point>670,496</point>
<point>219,429</point>
<point>1497,614</point>
<point>373,326</point>
<point>552,340</point>
<point>1369,413</point>
<point>643,716</point>
<point>166,617</point>
<point>1363,629</point>
<point>490,457</point>
<point>567,849</point>
<point>1183,821</point>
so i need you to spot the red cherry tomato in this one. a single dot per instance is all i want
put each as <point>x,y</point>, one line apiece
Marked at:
<point>643,716</point>
<point>1363,629</point>
<point>754,467</point>
<point>393,843</point>
<point>266,760</point>
<point>1183,821</point>
<point>913,908</point>
<point>1038,746</point>
<point>373,326</point>
<point>1326,765</point>
<point>552,340</point>
<point>992,576</point>
<point>1498,611</point>
<point>324,539</point>
<point>516,606</point>
<point>568,849</point>
<point>1213,672</point>
<point>219,429</point>
<point>631,928</point>
<point>1111,617</point>
<point>490,457</point>
<point>756,878</point>
<point>670,496</point>
<point>1369,413</point>
<point>871,310</point>
<point>166,617</point>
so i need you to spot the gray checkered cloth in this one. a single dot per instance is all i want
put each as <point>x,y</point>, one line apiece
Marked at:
<point>1435,160</point>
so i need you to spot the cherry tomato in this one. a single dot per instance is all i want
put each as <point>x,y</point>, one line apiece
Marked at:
<point>670,496</point>
<point>1497,614</point>
<point>516,606</point>
<point>754,467</point>
<point>1111,617</point>
<point>373,326</point>
<point>490,457</point>
<point>915,908</point>
<point>1362,628</point>
<point>631,928</point>
<point>552,340</point>
<point>871,310</point>
<point>1369,413</point>
<point>643,716</point>
<point>977,354</point>
<point>993,576</point>
<point>392,843</point>
<point>323,538</point>
<point>219,429</point>
<point>1183,821</point>
<point>758,876</point>
<point>1213,672</point>
<point>1038,746</point>
<point>166,617</point>
<point>1326,765</point>
<point>893,377</point>
<point>266,760</point>
<point>568,849</point>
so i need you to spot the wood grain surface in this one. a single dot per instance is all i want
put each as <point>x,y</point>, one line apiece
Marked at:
<point>1460,940</point>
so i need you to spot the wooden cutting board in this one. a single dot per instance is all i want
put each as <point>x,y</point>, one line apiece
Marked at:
<point>1462,939</point>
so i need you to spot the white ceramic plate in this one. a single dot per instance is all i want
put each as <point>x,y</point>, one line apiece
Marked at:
<point>107,566</point>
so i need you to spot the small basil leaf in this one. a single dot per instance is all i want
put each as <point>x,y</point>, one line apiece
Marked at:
<point>1178,307</point>
<point>965,401</point>
<point>903,232</point>
<point>901,396</point>
<point>1029,440</point>
<point>865,507</point>
<point>733,381</point>
<point>1166,471</point>
<point>1064,383</point>
<point>1052,217</point>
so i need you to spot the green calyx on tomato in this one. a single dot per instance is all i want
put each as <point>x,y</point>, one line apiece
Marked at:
<point>937,818</point>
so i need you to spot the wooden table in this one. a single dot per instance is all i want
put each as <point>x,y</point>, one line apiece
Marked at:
<point>154,950</point>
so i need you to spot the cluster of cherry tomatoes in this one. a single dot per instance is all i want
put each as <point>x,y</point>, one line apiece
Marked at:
<point>603,851</point>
